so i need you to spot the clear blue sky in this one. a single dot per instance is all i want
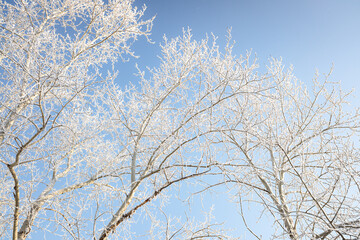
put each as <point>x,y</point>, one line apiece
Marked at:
<point>309,34</point>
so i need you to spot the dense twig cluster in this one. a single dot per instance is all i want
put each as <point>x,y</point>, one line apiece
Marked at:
<point>80,155</point>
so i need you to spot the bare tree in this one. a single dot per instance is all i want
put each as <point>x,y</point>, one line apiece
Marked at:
<point>295,150</point>
<point>51,122</point>
<point>81,156</point>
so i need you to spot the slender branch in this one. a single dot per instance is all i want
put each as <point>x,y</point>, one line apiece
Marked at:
<point>114,224</point>
<point>17,201</point>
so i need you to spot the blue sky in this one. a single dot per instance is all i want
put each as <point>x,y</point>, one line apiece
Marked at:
<point>309,34</point>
